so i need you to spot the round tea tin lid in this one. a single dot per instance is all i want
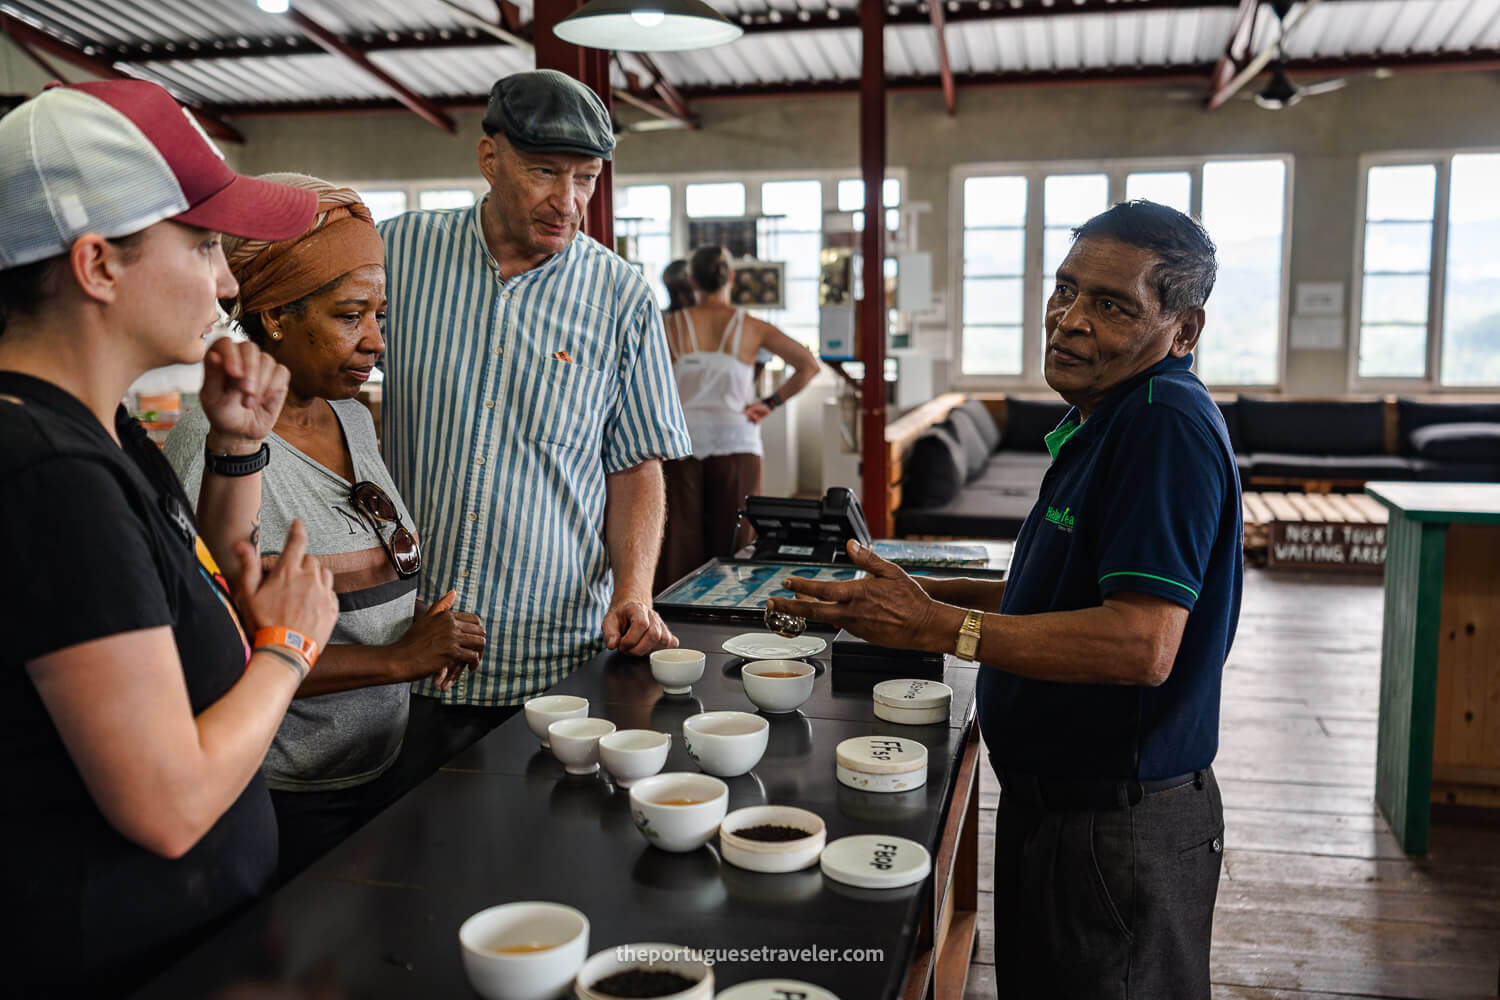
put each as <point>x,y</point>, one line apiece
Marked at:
<point>881,755</point>
<point>776,989</point>
<point>914,694</point>
<point>873,861</point>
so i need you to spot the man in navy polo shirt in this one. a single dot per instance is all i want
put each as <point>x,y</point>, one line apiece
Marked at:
<point>1105,647</point>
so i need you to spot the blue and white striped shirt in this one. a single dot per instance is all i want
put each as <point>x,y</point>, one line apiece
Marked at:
<point>505,405</point>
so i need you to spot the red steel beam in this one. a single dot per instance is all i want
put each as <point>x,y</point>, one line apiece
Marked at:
<point>1476,61</point>
<point>590,67</point>
<point>945,69</point>
<point>29,37</point>
<point>664,89</point>
<point>335,45</point>
<point>875,459</point>
<point>1236,51</point>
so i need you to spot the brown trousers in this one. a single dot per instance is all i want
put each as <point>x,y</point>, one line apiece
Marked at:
<point>703,499</point>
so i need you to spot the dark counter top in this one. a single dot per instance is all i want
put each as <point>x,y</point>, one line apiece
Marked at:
<point>379,915</point>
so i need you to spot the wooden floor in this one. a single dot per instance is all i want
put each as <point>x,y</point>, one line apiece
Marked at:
<point>1317,900</point>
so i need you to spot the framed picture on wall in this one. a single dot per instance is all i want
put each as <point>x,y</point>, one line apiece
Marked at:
<point>735,235</point>
<point>758,284</point>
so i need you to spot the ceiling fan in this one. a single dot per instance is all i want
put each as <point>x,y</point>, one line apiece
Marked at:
<point>1279,92</point>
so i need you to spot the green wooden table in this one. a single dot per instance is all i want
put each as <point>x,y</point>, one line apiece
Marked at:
<point>1439,726</point>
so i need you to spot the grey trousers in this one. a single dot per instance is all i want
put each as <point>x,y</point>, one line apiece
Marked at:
<point>1113,904</point>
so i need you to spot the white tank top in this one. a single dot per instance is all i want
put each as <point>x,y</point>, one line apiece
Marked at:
<point>715,387</point>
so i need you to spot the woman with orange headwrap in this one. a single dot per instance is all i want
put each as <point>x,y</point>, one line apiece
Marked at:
<point>314,302</point>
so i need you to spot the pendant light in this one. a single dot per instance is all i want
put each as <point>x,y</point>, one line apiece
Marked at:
<point>647,26</point>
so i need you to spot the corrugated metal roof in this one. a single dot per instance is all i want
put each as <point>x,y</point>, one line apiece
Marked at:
<point>215,51</point>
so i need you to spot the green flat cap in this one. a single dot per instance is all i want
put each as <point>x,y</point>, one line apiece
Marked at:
<point>544,111</point>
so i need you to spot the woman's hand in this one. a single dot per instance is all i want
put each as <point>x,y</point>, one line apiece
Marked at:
<point>243,389</point>
<point>756,412</point>
<point>440,643</point>
<point>885,607</point>
<point>297,594</point>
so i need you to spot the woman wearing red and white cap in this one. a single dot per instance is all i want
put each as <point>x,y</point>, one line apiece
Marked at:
<point>136,702</point>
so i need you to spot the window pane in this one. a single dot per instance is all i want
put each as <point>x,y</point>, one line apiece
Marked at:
<point>995,201</point>
<point>1471,303</point>
<point>445,198</point>
<point>1171,188</point>
<point>1394,298</point>
<point>992,300</point>
<point>711,200</point>
<point>1243,206</point>
<point>800,203</point>
<point>384,204</point>
<point>645,202</point>
<point>1072,199</point>
<point>1392,351</point>
<point>992,350</point>
<point>852,193</point>
<point>1398,246</point>
<point>798,250</point>
<point>1403,192</point>
<point>1055,245</point>
<point>994,252</point>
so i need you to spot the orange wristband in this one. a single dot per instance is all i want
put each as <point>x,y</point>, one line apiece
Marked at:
<point>291,639</point>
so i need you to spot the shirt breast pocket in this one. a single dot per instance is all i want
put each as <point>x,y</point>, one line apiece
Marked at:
<point>570,405</point>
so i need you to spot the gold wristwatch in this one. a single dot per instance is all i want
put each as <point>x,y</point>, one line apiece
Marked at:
<point>968,636</point>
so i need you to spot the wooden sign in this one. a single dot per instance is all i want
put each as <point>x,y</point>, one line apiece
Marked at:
<point>1326,545</point>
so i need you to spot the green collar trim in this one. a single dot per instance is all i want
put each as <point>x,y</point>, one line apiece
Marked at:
<point>1058,437</point>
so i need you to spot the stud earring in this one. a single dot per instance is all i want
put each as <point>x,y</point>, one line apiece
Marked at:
<point>275,334</point>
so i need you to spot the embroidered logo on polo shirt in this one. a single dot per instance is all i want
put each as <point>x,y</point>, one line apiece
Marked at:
<point>1062,518</point>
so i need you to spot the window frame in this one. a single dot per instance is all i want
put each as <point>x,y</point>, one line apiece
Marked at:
<point>1117,170</point>
<point>413,189</point>
<point>1437,275</point>
<point>828,177</point>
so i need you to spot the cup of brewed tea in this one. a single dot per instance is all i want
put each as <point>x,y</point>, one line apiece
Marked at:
<point>778,685</point>
<point>524,951</point>
<point>678,811</point>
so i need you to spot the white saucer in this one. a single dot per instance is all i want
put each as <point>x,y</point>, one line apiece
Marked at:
<point>770,646</point>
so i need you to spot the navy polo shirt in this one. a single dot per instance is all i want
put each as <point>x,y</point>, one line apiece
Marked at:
<point>1143,496</point>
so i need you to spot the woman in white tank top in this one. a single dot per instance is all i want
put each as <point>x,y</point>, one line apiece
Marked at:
<point>713,348</point>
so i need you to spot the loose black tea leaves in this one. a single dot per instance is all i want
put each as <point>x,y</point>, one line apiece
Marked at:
<point>643,983</point>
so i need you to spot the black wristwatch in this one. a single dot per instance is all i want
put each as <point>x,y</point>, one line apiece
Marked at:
<point>236,465</point>
<point>772,401</point>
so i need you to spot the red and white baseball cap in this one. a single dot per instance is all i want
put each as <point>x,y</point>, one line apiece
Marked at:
<point>115,157</point>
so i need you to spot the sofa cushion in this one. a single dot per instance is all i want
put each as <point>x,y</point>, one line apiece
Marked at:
<point>961,425</point>
<point>1298,428</point>
<point>1029,421</point>
<point>972,514</point>
<point>1231,411</point>
<point>1432,470</point>
<point>1297,466</point>
<point>1458,442</point>
<point>983,422</point>
<point>935,469</point>
<point>1411,415</point>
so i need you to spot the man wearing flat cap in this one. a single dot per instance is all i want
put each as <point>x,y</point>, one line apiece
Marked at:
<point>528,404</point>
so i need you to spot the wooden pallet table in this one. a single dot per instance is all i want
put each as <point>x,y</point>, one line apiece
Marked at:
<point>1314,530</point>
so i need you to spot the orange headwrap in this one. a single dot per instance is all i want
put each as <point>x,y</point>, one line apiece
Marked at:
<point>341,238</point>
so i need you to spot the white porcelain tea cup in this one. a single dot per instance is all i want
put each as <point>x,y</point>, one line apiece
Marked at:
<point>726,744</point>
<point>575,742</point>
<point>677,670</point>
<point>632,754</point>
<point>769,687</point>
<point>678,811</point>
<point>543,711</point>
<point>524,951</point>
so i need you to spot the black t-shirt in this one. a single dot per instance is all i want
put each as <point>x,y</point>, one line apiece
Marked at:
<point>98,540</point>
